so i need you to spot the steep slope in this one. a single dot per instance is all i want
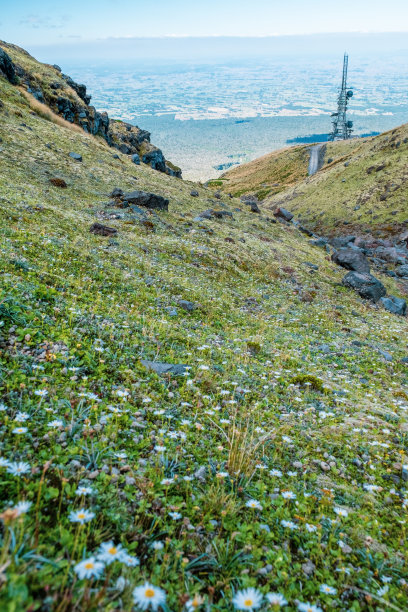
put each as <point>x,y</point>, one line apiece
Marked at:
<point>363,183</point>
<point>276,172</point>
<point>277,460</point>
<point>47,85</point>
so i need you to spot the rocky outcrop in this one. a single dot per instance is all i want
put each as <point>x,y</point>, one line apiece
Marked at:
<point>71,101</point>
<point>6,67</point>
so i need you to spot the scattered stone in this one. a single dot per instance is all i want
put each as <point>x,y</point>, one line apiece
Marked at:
<point>395,305</point>
<point>136,159</point>
<point>308,568</point>
<point>177,369</point>
<point>75,156</point>
<point>282,213</point>
<point>311,265</point>
<point>319,242</point>
<point>402,271</point>
<point>387,356</point>
<point>366,285</point>
<point>339,242</point>
<point>116,193</point>
<point>194,193</point>
<point>148,200</point>
<point>351,260</point>
<point>102,230</point>
<point>58,182</point>
<point>254,207</point>
<point>186,305</point>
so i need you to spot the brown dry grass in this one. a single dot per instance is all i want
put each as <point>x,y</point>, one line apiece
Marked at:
<point>46,113</point>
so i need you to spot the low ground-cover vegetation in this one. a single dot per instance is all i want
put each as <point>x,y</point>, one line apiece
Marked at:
<point>273,473</point>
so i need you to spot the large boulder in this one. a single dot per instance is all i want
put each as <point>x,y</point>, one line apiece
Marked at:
<point>351,259</point>
<point>282,213</point>
<point>366,285</point>
<point>395,305</point>
<point>7,67</point>
<point>148,200</point>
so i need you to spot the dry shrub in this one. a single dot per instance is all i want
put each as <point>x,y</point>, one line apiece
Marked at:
<point>58,182</point>
<point>46,113</point>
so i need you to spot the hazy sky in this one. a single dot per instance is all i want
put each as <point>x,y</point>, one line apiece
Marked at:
<point>42,22</point>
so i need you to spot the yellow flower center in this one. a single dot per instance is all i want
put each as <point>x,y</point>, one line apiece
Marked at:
<point>81,515</point>
<point>248,603</point>
<point>195,603</point>
<point>113,550</point>
<point>149,593</point>
<point>89,565</point>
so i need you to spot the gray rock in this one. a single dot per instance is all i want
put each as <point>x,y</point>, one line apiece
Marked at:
<point>390,254</point>
<point>136,159</point>
<point>102,230</point>
<point>311,265</point>
<point>7,67</point>
<point>177,369</point>
<point>319,242</point>
<point>395,305</point>
<point>387,356</point>
<point>282,213</point>
<point>186,305</point>
<point>194,193</point>
<point>148,200</point>
<point>116,193</point>
<point>402,271</point>
<point>75,156</point>
<point>340,242</point>
<point>351,260</point>
<point>367,286</point>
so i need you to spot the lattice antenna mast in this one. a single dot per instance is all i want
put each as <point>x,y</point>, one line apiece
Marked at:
<point>342,129</point>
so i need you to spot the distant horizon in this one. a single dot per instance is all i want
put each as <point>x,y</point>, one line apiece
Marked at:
<point>218,47</point>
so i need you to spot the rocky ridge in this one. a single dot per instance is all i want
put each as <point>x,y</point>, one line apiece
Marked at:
<point>48,85</point>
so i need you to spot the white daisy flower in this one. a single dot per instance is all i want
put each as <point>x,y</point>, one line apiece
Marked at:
<point>276,599</point>
<point>253,503</point>
<point>327,589</point>
<point>310,528</point>
<point>23,506</point>
<point>341,512</point>
<point>148,596</point>
<point>308,607</point>
<point>84,491</point>
<point>81,516</point>
<point>288,495</point>
<point>89,568</point>
<point>175,515</point>
<point>109,552</point>
<point>158,545</point>
<point>247,599</point>
<point>194,603</point>
<point>21,417</point>
<point>18,467</point>
<point>20,430</point>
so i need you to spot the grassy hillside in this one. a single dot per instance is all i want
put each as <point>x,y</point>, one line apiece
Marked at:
<point>277,462</point>
<point>363,182</point>
<point>266,175</point>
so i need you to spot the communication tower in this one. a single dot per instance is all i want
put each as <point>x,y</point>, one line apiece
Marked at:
<point>342,129</point>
